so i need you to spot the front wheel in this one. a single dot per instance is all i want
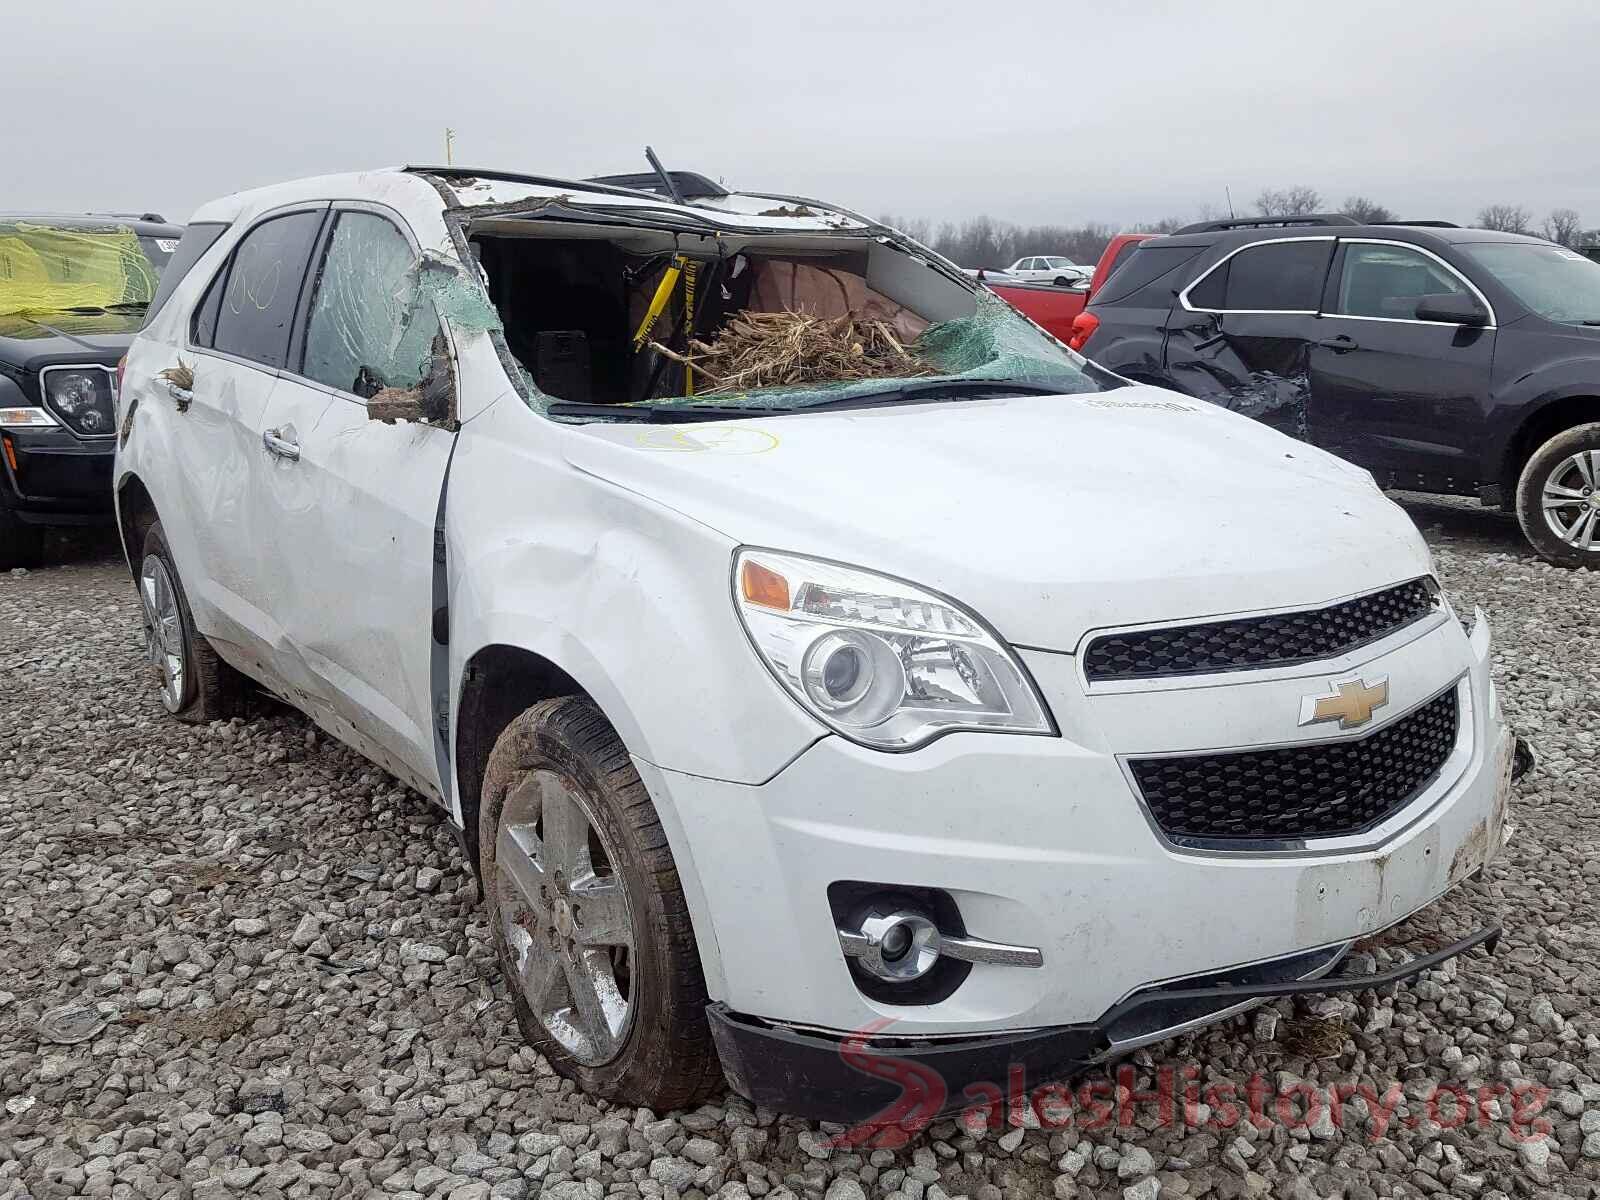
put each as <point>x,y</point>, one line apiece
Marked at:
<point>1558,498</point>
<point>588,914</point>
<point>196,685</point>
<point>1063,281</point>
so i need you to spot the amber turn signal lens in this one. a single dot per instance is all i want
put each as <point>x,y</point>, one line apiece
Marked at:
<point>11,455</point>
<point>763,586</point>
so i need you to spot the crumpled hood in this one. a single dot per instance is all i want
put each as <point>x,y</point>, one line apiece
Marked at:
<point>1047,515</point>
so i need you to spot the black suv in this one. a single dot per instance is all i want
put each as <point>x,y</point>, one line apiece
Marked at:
<point>73,291</point>
<point>1442,359</point>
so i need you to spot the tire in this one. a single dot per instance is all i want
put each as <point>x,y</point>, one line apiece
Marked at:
<point>21,545</point>
<point>196,685</point>
<point>1063,281</point>
<point>1565,467</point>
<point>559,758</point>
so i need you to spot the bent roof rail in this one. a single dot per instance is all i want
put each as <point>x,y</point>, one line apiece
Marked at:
<point>691,185</point>
<point>577,185</point>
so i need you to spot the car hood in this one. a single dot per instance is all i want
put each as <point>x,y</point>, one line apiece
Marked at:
<point>1048,515</point>
<point>39,339</point>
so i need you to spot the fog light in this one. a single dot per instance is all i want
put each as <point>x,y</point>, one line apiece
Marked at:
<point>899,945</point>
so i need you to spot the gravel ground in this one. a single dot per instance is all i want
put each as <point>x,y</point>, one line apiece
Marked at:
<point>285,987</point>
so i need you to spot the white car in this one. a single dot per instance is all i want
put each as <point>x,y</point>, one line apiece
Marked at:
<point>1015,713</point>
<point>1051,268</point>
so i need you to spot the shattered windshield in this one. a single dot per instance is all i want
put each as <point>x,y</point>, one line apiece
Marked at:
<point>597,329</point>
<point>1557,283</point>
<point>47,268</point>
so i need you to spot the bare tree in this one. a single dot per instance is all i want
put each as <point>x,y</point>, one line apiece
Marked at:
<point>1288,202</point>
<point>1564,226</point>
<point>1367,212</point>
<point>1508,218</point>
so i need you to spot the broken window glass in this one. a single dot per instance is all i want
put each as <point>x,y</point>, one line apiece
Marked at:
<point>369,327</point>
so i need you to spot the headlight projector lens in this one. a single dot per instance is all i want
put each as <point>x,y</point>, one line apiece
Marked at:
<point>854,677</point>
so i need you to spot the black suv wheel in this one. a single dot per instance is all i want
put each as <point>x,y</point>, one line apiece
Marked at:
<point>1558,498</point>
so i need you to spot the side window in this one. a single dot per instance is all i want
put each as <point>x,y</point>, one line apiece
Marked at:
<point>1274,277</point>
<point>368,326</point>
<point>1385,281</point>
<point>1028,264</point>
<point>204,328</point>
<point>263,286</point>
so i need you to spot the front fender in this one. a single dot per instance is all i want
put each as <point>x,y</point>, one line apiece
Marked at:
<point>628,597</point>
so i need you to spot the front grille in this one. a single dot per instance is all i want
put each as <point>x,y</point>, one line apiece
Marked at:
<point>1327,789</point>
<point>1279,640</point>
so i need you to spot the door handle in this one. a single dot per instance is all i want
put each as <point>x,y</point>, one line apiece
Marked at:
<point>1340,345</point>
<point>280,446</point>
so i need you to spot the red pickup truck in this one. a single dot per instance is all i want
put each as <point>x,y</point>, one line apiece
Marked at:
<point>1055,309</point>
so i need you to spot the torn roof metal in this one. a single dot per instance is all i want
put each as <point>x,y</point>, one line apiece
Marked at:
<point>477,188</point>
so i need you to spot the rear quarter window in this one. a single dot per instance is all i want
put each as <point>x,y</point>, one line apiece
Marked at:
<point>196,240</point>
<point>1146,265</point>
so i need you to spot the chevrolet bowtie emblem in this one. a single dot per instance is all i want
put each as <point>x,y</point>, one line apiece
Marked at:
<point>1351,703</point>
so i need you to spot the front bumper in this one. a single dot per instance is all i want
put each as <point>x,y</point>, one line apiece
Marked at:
<point>874,1082</point>
<point>58,479</point>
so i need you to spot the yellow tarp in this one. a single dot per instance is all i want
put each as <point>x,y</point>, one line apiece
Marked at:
<point>47,269</point>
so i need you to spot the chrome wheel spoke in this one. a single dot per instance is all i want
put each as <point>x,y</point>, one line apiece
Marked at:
<point>565,915</point>
<point>163,629</point>
<point>600,913</point>
<point>1581,532</point>
<point>516,854</point>
<point>1557,496</point>
<point>1587,463</point>
<point>598,1009</point>
<point>566,831</point>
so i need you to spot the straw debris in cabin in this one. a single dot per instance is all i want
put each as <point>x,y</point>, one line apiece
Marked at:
<point>788,349</point>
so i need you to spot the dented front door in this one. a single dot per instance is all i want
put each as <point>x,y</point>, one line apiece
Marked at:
<point>356,499</point>
<point>1240,334</point>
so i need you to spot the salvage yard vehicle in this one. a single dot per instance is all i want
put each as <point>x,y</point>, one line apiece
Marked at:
<point>1448,360</point>
<point>1033,713</point>
<point>1050,268</point>
<point>1055,309</point>
<point>73,289</point>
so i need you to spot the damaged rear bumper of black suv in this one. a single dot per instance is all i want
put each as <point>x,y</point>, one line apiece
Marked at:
<point>880,1081</point>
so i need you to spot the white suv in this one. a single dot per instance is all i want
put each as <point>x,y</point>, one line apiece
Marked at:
<point>1004,709</point>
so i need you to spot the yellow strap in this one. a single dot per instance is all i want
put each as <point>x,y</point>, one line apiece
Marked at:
<point>658,302</point>
<point>691,271</point>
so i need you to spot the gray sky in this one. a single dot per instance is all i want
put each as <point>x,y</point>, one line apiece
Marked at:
<point>1060,111</point>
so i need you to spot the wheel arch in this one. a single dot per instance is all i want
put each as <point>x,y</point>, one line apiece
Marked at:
<point>498,683</point>
<point>136,513</point>
<point>1538,427</point>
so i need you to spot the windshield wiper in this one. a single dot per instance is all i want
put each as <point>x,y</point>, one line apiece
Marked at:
<point>662,414</point>
<point>915,392</point>
<point>932,390</point>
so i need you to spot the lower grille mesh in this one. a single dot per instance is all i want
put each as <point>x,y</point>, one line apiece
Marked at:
<point>1328,789</point>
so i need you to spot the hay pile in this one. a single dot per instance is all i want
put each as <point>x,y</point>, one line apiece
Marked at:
<point>785,349</point>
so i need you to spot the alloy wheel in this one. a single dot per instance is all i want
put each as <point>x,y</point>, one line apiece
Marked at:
<point>565,916</point>
<point>1571,500</point>
<point>163,630</point>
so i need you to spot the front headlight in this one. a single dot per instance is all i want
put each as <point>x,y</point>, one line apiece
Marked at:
<point>81,397</point>
<point>882,662</point>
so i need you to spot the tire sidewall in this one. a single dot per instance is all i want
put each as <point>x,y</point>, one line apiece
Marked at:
<point>1530,491</point>
<point>533,745</point>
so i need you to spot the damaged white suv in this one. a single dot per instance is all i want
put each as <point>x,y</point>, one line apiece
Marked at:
<point>834,680</point>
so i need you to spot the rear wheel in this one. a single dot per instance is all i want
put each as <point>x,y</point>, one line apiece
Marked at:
<point>196,685</point>
<point>1558,498</point>
<point>588,915</point>
<point>21,545</point>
